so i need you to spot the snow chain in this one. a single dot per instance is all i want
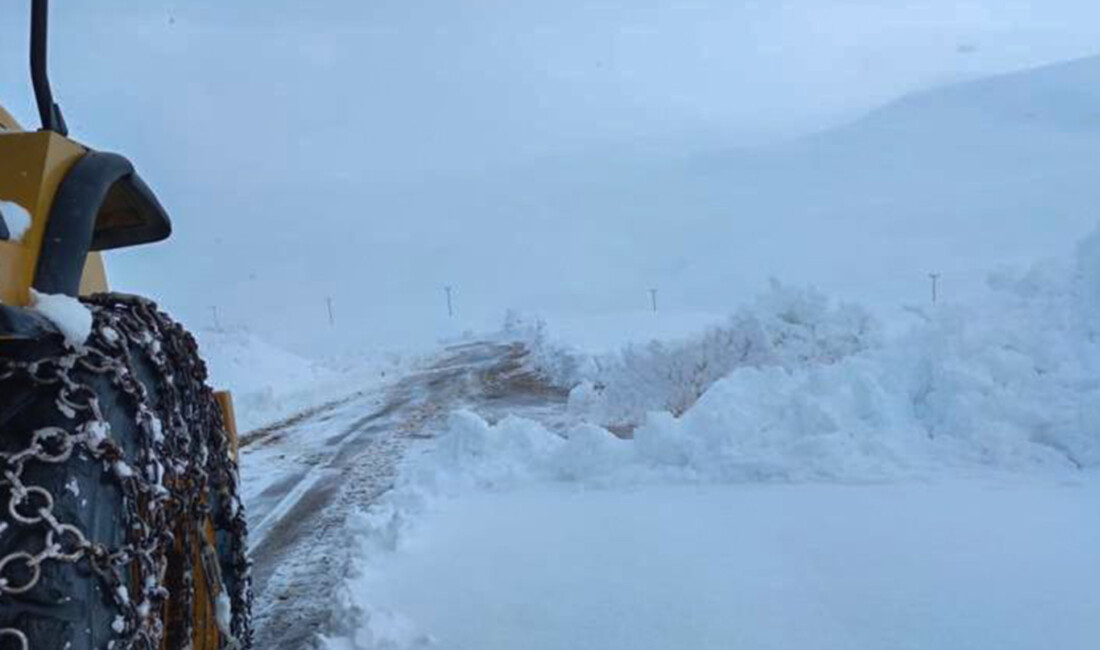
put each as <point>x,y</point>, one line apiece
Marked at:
<point>183,462</point>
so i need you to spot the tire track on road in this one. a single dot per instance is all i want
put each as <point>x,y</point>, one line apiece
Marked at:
<point>301,552</point>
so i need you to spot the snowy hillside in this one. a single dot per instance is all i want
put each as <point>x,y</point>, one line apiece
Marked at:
<point>956,180</point>
<point>1056,98</point>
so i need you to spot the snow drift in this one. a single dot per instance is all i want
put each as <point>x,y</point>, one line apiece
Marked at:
<point>261,375</point>
<point>270,383</point>
<point>794,387</point>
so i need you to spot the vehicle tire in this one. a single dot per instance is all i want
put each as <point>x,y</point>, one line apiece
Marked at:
<point>115,478</point>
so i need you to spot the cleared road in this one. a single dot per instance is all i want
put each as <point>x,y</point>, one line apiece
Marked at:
<point>303,476</point>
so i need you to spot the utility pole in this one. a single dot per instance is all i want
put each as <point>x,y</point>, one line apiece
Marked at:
<point>331,318</point>
<point>935,285</point>
<point>217,325</point>
<point>653,299</point>
<point>450,304</point>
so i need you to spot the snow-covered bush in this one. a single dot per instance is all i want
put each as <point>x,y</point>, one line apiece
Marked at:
<point>786,327</point>
<point>557,364</point>
<point>804,327</point>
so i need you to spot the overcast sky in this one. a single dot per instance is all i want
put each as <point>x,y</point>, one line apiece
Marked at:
<point>271,127</point>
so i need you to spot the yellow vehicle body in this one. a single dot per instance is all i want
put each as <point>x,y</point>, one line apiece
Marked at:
<point>32,166</point>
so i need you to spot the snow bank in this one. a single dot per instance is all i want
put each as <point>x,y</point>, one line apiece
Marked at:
<point>516,451</point>
<point>371,628</point>
<point>270,383</point>
<point>794,388</point>
<point>261,376</point>
<point>614,534</point>
<point>1009,383</point>
<point>786,327</point>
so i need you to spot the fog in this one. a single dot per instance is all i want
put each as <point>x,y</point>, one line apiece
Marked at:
<point>375,152</point>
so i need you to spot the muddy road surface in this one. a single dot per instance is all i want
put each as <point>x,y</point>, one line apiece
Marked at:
<point>304,476</point>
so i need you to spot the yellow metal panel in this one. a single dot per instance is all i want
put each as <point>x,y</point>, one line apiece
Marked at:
<point>32,166</point>
<point>94,279</point>
<point>229,416</point>
<point>205,635</point>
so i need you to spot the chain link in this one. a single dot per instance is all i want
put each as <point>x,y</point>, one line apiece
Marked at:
<point>182,471</point>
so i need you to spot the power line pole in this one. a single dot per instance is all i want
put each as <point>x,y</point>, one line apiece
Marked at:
<point>214,309</point>
<point>935,285</point>
<point>331,317</point>
<point>653,299</point>
<point>450,304</point>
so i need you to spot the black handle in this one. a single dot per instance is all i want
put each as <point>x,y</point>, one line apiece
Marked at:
<point>48,110</point>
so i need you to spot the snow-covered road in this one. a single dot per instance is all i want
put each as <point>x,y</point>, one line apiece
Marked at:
<point>302,477</point>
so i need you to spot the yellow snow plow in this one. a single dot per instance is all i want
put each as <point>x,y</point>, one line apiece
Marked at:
<point>120,523</point>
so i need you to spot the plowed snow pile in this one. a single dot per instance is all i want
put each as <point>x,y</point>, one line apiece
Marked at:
<point>590,540</point>
<point>270,383</point>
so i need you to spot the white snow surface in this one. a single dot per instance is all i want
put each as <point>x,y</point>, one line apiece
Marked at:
<point>16,218</point>
<point>270,383</point>
<point>508,536</point>
<point>931,488</point>
<point>71,317</point>
<point>994,565</point>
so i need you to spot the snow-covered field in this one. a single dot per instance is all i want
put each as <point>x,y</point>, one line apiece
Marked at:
<point>997,565</point>
<point>831,487</point>
<point>506,536</point>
